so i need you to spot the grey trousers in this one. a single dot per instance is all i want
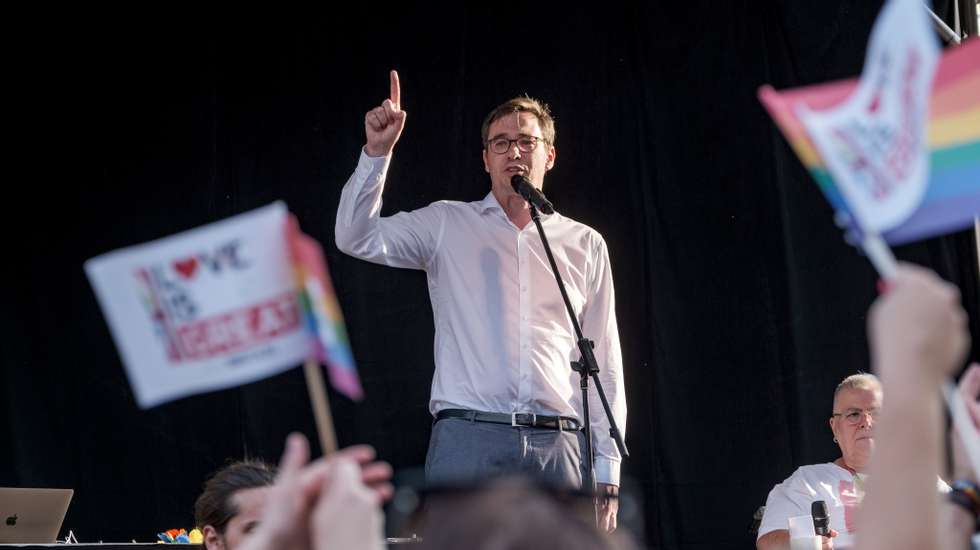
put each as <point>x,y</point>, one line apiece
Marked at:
<point>464,451</point>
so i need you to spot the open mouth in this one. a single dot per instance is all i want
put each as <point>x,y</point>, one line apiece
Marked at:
<point>516,169</point>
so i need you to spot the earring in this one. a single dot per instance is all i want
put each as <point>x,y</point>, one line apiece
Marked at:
<point>835,440</point>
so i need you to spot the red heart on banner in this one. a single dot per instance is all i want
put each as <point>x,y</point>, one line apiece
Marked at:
<point>186,267</point>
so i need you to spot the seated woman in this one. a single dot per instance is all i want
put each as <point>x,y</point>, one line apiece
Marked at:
<point>857,401</point>
<point>841,483</point>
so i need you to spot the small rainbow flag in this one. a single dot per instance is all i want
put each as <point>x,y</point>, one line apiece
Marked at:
<point>321,312</point>
<point>953,195</point>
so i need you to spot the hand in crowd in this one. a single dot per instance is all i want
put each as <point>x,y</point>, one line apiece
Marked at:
<point>375,474</point>
<point>302,492</point>
<point>918,321</point>
<point>918,336</point>
<point>383,125</point>
<point>347,515</point>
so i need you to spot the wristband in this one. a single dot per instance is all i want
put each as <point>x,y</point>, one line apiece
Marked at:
<point>966,493</point>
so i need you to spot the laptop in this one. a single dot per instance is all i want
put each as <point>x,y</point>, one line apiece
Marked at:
<point>32,515</point>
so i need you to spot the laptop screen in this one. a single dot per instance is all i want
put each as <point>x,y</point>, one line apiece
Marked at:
<point>32,515</point>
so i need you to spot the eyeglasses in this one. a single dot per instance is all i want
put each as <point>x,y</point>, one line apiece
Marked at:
<point>855,416</point>
<point>525,144</point>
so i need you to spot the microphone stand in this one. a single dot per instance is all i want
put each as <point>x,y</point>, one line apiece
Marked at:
<point>586,366</point>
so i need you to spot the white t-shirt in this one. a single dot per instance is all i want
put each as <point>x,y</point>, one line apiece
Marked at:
<point>841,490</point>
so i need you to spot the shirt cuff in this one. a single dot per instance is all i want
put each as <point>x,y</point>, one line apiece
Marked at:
<point>373,161</point>
<point>606,470</point>
<point>368,166</point>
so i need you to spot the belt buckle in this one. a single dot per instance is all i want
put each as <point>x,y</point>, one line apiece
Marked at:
<point>513,419</point>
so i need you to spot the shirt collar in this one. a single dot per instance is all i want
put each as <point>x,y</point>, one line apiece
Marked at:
<point>489,202</point>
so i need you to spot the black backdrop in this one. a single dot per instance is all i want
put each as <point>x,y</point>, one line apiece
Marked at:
<point>739,304</point>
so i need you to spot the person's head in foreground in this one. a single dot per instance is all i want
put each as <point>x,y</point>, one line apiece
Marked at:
<point>232,502</point>
<point>512,514</point>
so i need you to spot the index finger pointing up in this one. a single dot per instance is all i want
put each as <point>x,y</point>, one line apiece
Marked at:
<point>396,92</point>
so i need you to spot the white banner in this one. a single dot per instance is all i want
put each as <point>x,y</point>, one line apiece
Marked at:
<point>206,309</point>
<point>874,144</point>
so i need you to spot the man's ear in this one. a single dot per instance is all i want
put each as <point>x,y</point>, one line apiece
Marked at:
<point>486,165</point>
<point>212,539</point>
<point>552,154</point>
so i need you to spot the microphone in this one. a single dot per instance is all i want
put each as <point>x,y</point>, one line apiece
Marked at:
<point>821,519</point>
<point>531,194</point>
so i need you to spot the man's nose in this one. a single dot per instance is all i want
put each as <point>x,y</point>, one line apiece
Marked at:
<point>514,151</point>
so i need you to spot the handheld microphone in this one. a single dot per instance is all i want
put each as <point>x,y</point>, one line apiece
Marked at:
<point>821,519</point>
<point>531,194</point>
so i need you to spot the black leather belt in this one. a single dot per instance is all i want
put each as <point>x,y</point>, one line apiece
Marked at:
<point>530,420</point>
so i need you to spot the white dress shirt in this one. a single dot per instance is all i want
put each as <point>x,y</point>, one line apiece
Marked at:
<point>503,339</point>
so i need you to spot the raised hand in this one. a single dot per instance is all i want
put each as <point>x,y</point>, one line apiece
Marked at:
<point>302,488</point>
<point>918,328</point>
<point>348,513</point>
<point>383,125</point>
<point>375,474</point>
<point>288,504</point>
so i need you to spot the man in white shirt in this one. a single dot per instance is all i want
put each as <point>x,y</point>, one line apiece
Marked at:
<point>504,395</point>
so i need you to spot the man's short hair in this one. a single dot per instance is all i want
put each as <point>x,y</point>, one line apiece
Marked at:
<point>215,507</point>
<point>859,381</point>
<point>522,104</point>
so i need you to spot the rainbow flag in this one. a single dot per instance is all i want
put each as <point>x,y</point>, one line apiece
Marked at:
<point>321,312</point>
<point>953,195</point>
